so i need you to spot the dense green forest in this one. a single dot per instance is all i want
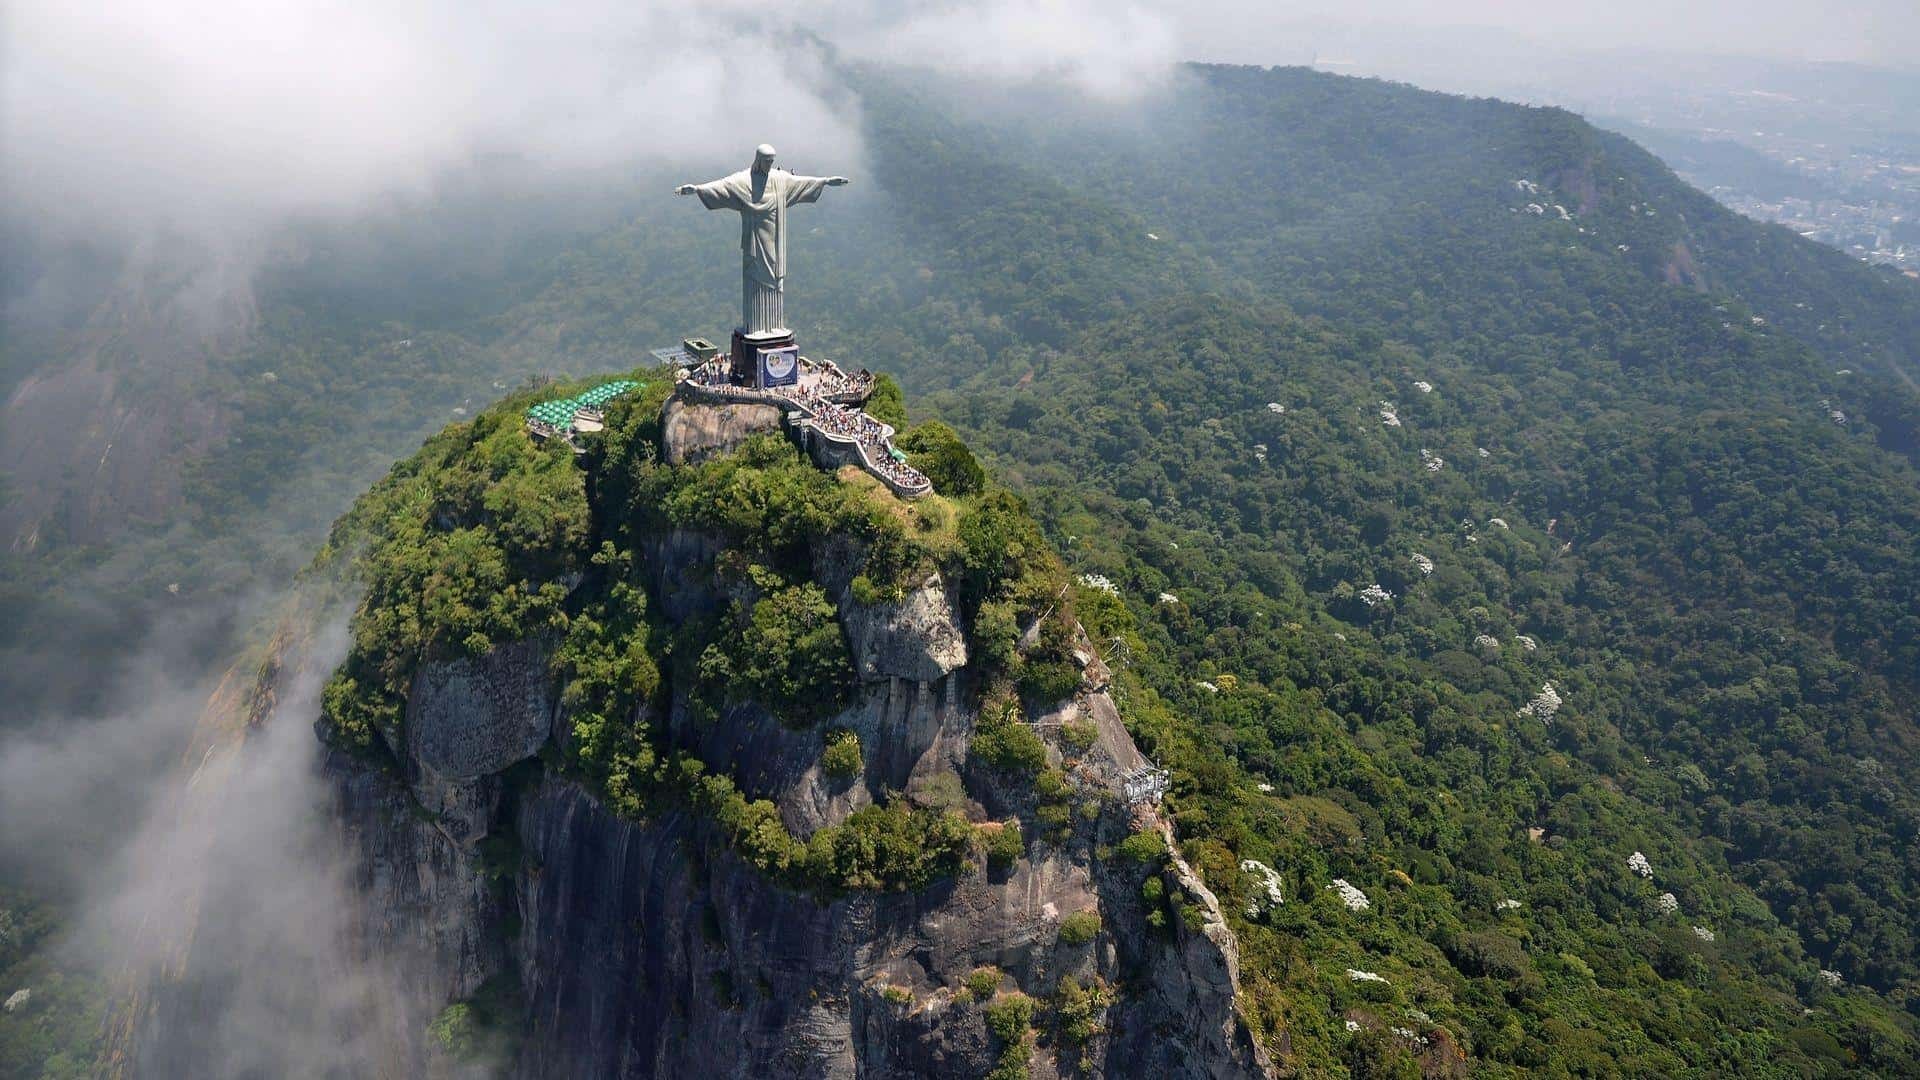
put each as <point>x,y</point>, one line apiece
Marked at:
<point>1708,713</point>
<point>1365,416</point>
<point>1614,453</point>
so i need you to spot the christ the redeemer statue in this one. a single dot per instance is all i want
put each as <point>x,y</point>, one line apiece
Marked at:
<point>761,195</point>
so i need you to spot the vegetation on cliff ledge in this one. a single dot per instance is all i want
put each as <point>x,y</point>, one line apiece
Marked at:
<point>486,536</point>
<point>465,545</point>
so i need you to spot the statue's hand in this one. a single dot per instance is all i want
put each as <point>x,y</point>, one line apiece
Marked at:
<point>683,189</point>
<point>838,181</point>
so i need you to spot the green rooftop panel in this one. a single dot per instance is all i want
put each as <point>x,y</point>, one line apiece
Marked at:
<point>559,412</point>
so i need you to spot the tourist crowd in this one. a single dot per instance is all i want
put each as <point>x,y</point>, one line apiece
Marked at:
<point>823,380</point>
<point>833,383</point>
<point>819,385</point>
<point>836,420</point>
<point>870,434</point>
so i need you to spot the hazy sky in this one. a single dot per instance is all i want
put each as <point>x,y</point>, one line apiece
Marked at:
<point>221,117</point>
<point>1884,32</point>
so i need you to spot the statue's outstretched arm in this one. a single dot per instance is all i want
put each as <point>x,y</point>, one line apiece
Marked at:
<point>805,189</point>
<point>714,194</point>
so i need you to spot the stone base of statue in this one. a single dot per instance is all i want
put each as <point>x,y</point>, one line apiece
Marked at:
<point>745,367</point>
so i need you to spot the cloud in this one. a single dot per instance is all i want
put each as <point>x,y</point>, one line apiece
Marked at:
<point>221,117</point>
<point>212,115</point>
<point>230,906</point>
<point>1115,50</point>
<point>214,884</point>
<point>216,116</point>
<point>75,780</point>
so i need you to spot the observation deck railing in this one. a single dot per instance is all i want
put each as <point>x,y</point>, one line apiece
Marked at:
<point>827,400</point>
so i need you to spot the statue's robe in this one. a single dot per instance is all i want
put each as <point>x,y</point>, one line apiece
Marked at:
<point>762,203</point>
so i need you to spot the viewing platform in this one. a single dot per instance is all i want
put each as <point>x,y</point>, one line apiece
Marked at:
<point>821,411</point>
<point>564,418</point>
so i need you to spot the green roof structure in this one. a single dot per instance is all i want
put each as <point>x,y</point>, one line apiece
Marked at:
<point>559,412</point>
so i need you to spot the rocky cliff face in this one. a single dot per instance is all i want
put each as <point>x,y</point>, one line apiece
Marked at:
<point>651,948</point>
<point>690,433</point>
<point>917,638</point>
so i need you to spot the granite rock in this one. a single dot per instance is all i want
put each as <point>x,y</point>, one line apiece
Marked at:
<point>692,432</point>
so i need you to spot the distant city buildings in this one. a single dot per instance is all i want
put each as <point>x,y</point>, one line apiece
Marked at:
<point>1874,231</point>
<point>1864,202</point>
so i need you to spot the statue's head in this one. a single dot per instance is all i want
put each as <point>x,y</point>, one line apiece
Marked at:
<point>763,158</point>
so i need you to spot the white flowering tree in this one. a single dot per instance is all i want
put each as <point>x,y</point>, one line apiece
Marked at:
<point>1350,895</point>
<point>1266,893</point>
<point>1100,582</point>
<point>1543,706</point>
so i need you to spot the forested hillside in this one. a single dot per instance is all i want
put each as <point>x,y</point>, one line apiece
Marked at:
<point>1610,452</point>
<point>1371,638</point>
<point>1467,505</point>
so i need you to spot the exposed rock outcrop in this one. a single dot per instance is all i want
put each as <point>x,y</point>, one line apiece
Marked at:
<point>909,732</point>
<point>646,946</point>
<point>1198,988</point>
<point>680,569</point>
<point>473,716</point>
<point>467,720</point>
<point>918,637</point>
<point>650,948</point>
<point>428,914</point>
<point>692,432</point>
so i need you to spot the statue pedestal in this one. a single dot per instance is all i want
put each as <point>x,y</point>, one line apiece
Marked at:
<point>743,370</point>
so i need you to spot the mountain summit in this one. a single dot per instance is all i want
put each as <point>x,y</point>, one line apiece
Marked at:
<point>636,760</point>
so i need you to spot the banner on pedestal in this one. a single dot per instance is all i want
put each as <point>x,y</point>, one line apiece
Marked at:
<point>779,367</point>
